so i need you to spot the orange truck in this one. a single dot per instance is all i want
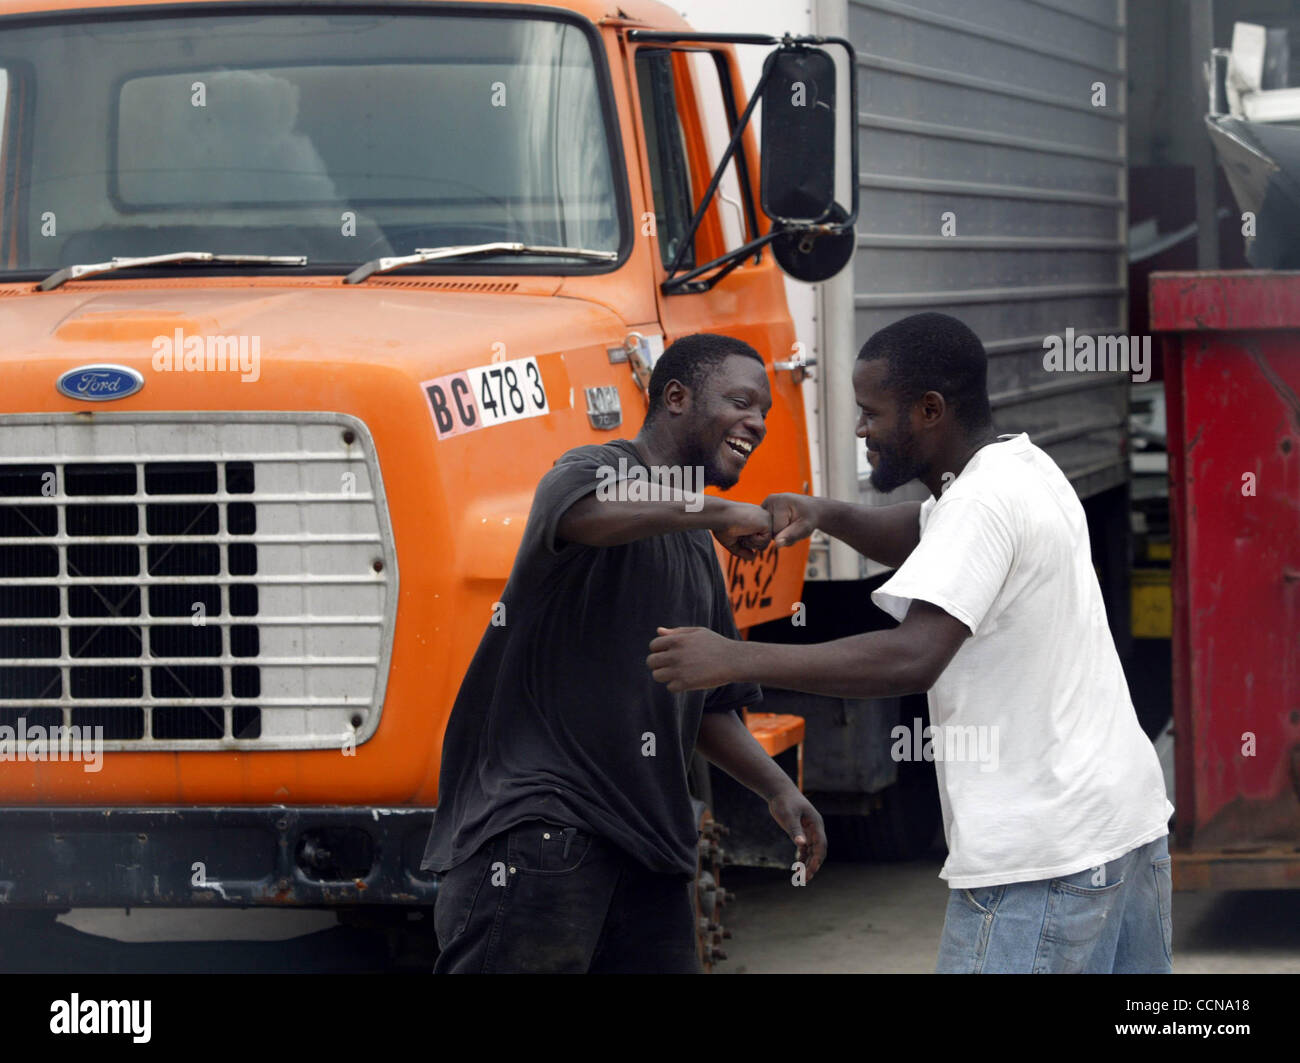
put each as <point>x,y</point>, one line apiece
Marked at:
<point>298,303</point>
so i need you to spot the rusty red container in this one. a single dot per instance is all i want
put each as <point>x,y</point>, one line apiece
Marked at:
<point>1231,347</point>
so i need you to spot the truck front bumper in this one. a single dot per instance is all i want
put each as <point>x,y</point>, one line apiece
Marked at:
<point>214,857</point>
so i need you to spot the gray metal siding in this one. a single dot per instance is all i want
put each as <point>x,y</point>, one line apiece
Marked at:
<point>984,109</point>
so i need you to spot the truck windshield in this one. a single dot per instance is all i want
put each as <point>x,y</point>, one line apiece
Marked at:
<point>335,135</point>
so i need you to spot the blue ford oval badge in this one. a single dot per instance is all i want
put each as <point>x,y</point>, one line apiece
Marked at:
<point>99,383</point>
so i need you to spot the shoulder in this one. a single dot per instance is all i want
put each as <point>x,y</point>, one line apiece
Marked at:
<point>1006,479</point>
<point>972,505</point>
<point>598,454</point>
<point>593,461</point>
<point>980,506</point>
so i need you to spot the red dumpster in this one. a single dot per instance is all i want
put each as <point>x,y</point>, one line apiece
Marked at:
<point>1231,345</point>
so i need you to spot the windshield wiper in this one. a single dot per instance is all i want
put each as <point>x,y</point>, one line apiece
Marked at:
<point>71,273</point>
<point>432,254</point>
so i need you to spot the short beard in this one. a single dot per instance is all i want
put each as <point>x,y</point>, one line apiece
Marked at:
<point>714,474</point>
<point>893,469</point>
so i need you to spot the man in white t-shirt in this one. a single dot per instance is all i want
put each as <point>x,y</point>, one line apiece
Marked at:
<point>1054,805</point>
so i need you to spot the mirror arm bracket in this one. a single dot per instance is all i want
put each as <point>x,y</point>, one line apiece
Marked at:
<point>679,283</point>
<point>684,282</point>
<point>689,239</point>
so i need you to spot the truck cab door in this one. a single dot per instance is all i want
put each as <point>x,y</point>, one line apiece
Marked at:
<point>689,99</point>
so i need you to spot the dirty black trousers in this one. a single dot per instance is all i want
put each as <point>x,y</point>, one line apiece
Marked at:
<point>548,898</point>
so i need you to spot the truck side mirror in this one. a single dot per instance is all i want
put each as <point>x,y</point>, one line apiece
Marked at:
<point>811,234</point>
<point>798,165</point>
<point>797,192</point>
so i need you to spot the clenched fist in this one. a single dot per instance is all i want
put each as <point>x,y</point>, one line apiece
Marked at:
<point>794,517</point>
<point>744,529</point>
<point>691,658</point>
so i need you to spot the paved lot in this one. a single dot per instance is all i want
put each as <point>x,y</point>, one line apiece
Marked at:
<point>886,918</point>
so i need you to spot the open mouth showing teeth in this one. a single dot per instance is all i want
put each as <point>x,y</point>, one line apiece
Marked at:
<point>740,446</point>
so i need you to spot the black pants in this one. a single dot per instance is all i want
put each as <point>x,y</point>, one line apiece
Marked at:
<point>544,897</point>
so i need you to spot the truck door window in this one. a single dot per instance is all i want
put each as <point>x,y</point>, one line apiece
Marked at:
<point>670,175</point>
<point>735,211</point>
<point>688,115</point>
<point>8,152</point>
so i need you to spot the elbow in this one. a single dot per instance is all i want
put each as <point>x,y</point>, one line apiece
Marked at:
<point>919,675</point>
<point>712,734</point>
<point>923,682</point>
<point>905,676</point>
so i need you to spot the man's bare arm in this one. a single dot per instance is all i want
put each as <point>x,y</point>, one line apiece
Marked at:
<point>725,741</point>
<point>592,521</point>
<point>905,660</point>
<point>887,534</point>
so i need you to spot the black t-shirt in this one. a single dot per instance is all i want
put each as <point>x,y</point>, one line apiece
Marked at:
<point>558,712</point>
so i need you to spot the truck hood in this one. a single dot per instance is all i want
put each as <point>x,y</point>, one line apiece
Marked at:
<point>410,329</point>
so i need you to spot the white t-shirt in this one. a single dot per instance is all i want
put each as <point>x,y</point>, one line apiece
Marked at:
<point>1043,768</point>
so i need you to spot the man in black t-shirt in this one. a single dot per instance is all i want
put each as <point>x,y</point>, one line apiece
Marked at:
<point>565,832</point>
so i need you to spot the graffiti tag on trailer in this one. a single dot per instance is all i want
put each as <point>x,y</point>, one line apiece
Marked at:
<point>749,583</point>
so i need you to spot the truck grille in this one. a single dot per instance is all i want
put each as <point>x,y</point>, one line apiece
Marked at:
<point>193,582</point>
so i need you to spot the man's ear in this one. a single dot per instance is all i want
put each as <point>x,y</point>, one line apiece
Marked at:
<point>933,406</point>
<point>677,397</point>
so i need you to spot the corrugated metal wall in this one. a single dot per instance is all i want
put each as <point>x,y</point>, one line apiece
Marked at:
<point>983,108</point>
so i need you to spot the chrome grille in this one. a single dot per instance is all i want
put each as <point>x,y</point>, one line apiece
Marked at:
<point>195,581</point>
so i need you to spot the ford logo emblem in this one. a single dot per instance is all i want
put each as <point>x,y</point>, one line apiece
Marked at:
<point>99,383</point>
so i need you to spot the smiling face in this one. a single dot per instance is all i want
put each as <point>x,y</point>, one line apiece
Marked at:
<point>725,421</point>
<point>892,449</point>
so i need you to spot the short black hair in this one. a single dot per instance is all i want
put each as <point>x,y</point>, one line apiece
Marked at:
<point>935,352</point>
<point>692,360</point>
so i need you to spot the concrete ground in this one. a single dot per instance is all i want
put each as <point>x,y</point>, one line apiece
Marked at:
<point>887,918</point>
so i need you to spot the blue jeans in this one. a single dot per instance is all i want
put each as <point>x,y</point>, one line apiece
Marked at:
<point>1111,920</point>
